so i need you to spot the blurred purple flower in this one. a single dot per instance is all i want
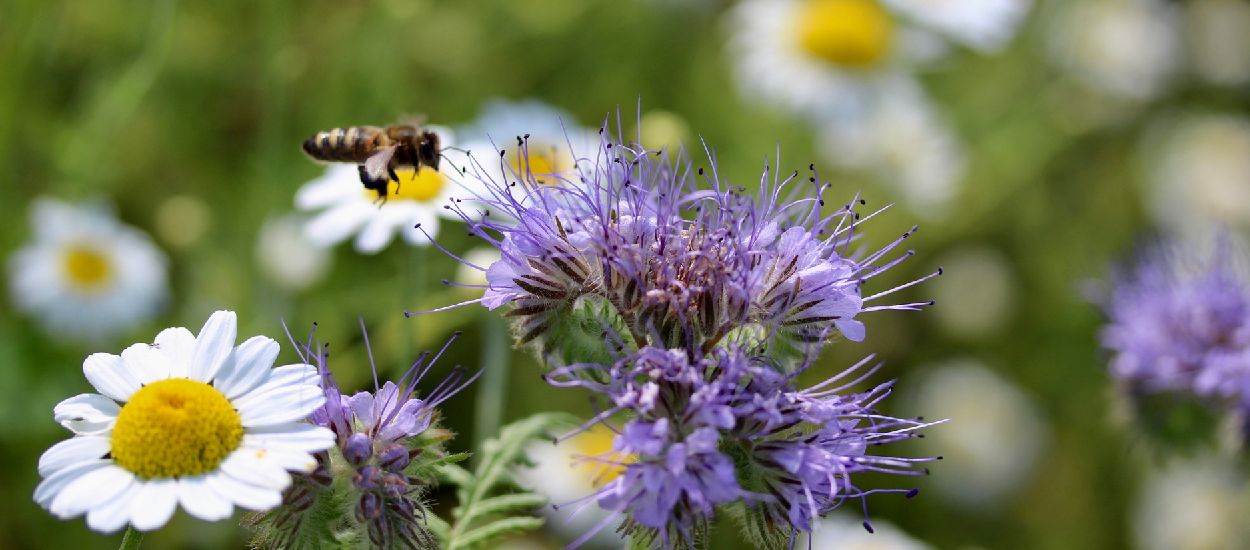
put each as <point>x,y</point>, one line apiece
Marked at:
<point>1180,324</point>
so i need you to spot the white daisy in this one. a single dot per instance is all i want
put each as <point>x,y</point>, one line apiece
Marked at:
<point>1217,33</point>
<point>563,473</point>
<point>1198,171</point>
<point>994,439</point>
<point>985,25</point>
<point>554,141</point>
<point>982,295</point>
<point>903,141</point>
<point>86,275</point>
<point>190,420</point>
<point>822,57</point>
<point>1125,48</point>
<point>1193,504</point>
<point>286,255</point>
<point>838,531</point>
<point>346,208</point>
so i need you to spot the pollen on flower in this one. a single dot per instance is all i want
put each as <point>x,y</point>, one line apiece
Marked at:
<point>175,427</point>
<point>852,33</point>
<point>86,268</point>
<point>420,186</point>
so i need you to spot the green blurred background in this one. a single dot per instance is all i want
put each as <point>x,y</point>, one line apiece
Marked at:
<point>141,102</point>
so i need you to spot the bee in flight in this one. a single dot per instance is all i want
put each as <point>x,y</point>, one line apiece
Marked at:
<point>378,151</point>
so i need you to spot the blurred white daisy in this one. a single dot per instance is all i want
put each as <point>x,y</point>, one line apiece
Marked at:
<point>563,473</point>
<point>985,25</point>
<point>822,57</point>
<point>1198,170</point>
<point>482,256</point>
<point>552,137</point>
<point>994,438</point>
<point>904,142</point>
<point>1193,504</point>
<point>346,208</point>
<point>840,531</point>
<point>286,255</point>
<point>981,289</point>
<point>190,420</point>
<point>86,275</point>
<point>1217,33</point>
<point>1125,48</point>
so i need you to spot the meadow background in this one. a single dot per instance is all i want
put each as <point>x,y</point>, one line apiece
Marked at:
<point>187,117</point>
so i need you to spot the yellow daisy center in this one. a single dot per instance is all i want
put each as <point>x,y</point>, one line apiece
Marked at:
<point>542,162</point>
<point>421,186</point>
<point>851,33</point>
<point>175,427</point>
<point>595,442</point>
<point>86,268</point>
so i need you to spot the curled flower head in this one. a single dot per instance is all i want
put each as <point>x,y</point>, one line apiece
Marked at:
<point>379,436</point>
<point>672,256</point>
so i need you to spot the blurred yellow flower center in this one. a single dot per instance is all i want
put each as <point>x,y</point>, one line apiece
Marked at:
<point>175,427</point>
<point>595,442</point>
<point>420,186</point>
<point>852,33</point>
<point>85,268</point>
<point>541,164</point>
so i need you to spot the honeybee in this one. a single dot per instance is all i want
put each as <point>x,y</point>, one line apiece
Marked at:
<point>377,151</point>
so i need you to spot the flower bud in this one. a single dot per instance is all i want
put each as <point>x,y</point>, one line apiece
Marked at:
<point>367,478</point>
<point>369,508</point>
<point>358,449</point>
<point>394,458</point>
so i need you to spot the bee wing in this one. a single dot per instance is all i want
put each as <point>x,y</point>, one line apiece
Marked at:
<point>378,166</point>
<point>416,121</point>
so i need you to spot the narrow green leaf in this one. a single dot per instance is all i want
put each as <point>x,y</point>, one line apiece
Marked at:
<point>496,529</point>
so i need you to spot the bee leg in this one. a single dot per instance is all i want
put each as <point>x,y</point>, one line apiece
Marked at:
<point>394,177</point>
<point>378,186</point>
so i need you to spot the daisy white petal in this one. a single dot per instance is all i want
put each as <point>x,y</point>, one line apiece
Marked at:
<point>147,363</point>
<point>283,405</point>
<point>335,224</point>
<point>72,451</point>
<point>56,482</point>
<point>293,435</point>
<point>249,466</point>
<point>154,503</point>
<point>108,375</point>
<point>213,345</point>
<point>248,367</point>
<point>91,490</point>
<point>201,501</point>
<point>115,513</point>
<point>177,344</point>
<point>86,414</point>
<point>244,495</point>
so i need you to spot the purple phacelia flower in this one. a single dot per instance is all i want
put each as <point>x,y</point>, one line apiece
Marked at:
<point>673,256</point>
<point>378,435</point>
<point>729,427</point>
<point>687,305</point>
<point>1179,324</point>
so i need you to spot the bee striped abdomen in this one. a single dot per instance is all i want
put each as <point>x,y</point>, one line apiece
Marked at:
<point>354,144</point>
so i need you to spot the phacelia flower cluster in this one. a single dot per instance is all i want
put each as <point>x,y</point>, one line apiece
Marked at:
<point>379,436</point>
<point>1182,325</point>
<point>688,305</point>
<point>729,427</point>
<point>676,258</point>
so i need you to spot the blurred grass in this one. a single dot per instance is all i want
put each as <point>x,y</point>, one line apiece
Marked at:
<point>137,101</point>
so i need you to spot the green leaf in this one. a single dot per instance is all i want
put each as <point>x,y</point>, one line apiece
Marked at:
<point>491,505</point>
<point>497,529</point>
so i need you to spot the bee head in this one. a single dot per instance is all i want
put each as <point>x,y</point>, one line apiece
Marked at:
<point>428,149</point>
